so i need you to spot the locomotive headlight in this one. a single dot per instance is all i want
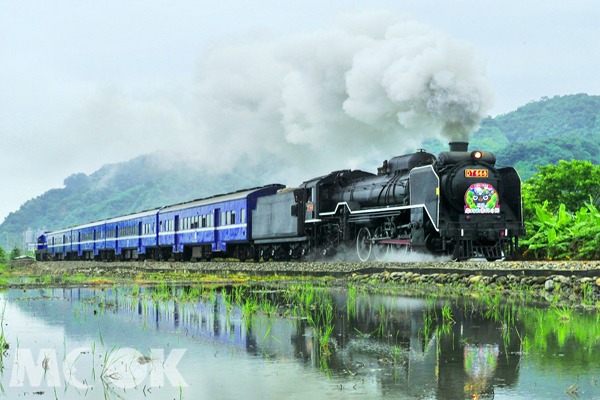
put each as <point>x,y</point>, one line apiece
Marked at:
<point>477,155</point>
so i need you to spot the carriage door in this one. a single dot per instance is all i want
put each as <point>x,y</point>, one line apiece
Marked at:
<point>176,239</point>
<point>216,223</point>
<point>117,240</point>
<point>139,233</point>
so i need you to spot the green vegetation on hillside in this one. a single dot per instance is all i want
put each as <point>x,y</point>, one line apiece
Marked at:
<point>539,133</point>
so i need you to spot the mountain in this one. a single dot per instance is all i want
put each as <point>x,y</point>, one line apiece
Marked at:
<point>538,133</point>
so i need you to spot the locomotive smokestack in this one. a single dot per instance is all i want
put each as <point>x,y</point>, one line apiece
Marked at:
<point>459,146</point>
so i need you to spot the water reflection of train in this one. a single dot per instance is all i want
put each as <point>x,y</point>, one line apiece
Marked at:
<point>394,352</point>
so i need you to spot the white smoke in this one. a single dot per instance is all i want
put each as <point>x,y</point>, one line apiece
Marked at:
<point>369,87</point>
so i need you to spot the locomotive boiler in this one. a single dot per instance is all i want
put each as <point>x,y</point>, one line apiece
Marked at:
<point>458,204</point>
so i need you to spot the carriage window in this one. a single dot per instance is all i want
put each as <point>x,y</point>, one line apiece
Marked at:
<point>243,216</point>
<point>232,218</point>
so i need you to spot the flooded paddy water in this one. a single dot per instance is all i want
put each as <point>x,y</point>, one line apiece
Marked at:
<point>299,340</point>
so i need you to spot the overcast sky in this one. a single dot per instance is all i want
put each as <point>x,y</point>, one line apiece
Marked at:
<point>88,83</point>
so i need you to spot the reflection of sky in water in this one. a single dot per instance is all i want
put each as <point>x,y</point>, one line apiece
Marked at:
<point>228,356</point>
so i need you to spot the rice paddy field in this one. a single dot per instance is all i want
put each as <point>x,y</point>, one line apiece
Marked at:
<point>277,337</point>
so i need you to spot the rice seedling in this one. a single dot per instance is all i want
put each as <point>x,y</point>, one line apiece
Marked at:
<point>564,313</point>
<point>351,309</point>
<point>447,314</point>
<point>268,308</point>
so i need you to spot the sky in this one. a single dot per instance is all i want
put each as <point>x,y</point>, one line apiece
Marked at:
<point>89,83</point>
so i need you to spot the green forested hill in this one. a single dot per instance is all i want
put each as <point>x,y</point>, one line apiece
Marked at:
<point>538,133</point>
<point>541,133</point>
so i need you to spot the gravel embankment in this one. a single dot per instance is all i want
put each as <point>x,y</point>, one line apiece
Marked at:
<point>566,268</point>
<point>572,279</point>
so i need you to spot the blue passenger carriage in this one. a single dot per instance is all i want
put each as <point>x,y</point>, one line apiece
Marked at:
<point>59,244</point>
<point>129,237</point>
<point>218,226</point>
<point>86,239</point>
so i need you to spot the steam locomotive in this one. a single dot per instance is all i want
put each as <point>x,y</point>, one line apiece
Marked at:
<point>457,204</point>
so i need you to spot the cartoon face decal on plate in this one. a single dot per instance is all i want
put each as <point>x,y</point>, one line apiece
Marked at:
<point>481,198</point>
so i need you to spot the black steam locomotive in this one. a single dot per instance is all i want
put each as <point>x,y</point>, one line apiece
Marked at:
<point>457,204</point>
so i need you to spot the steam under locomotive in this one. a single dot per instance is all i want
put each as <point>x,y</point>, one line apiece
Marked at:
<point>458,204</point>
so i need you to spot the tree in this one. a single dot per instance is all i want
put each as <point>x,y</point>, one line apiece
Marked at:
<point>2,255</point>
<point>572,183</point>
<point>15,252</point>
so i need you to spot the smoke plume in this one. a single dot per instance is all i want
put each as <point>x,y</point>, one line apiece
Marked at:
<point>368,87</point>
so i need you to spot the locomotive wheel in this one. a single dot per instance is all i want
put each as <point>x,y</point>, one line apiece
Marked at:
<point>380,250</point>
<point>363,244</point>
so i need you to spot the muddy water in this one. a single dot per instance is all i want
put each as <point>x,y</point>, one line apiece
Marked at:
<point>97,344</point>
